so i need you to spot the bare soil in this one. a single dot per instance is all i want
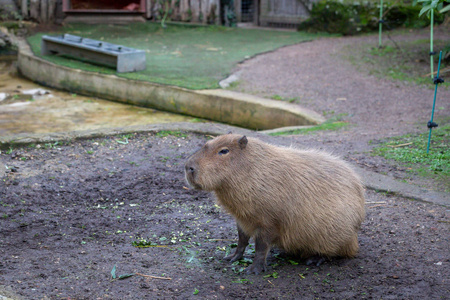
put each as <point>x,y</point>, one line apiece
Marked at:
<point>70,212</point>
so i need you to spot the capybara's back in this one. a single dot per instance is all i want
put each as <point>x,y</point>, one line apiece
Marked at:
<point>303,201</point>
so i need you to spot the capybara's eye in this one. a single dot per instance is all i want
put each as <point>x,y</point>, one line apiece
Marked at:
<point>223,151</point>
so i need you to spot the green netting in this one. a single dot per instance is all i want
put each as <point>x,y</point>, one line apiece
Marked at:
<point>193,57</point>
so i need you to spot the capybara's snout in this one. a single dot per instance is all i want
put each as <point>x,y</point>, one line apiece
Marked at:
<point>190,171</point>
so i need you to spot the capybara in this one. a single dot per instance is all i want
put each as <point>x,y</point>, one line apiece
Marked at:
<point>303,201</point>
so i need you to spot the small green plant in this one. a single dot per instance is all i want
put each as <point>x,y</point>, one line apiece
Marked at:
<point>51,145</point>
<point>334,123</point>
<point>279,98</point>
<point>430,7</point>
<point>274,275</point>
<point>164,159</point>
<point>143,243</point>
<point>411,150</point>
<point>166,133</point>
<point>242,280</point>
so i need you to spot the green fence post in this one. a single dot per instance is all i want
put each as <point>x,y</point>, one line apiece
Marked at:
<point>380,23</point>
<point>436,81</point>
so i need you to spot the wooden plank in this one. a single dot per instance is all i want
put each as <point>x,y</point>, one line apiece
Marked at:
<point>184,7</point>
<point>34,9</point>
<point>44,11</point>
<point>51,15</point>
<point>24,9</point>
<point>204,8</point>
<point>148,8</point>
<point>195,6</point>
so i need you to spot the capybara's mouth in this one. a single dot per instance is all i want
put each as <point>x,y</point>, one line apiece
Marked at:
<point>190,180</point>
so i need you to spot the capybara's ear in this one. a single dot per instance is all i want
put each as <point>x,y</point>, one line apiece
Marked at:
<point>243,142</point>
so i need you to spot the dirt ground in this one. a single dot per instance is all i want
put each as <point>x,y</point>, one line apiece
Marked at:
<point>71,212</point>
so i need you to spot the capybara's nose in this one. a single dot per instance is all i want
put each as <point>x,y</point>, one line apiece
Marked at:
<point>189,169</point>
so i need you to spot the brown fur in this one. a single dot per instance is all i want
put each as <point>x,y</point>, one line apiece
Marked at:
<point>302,201</point>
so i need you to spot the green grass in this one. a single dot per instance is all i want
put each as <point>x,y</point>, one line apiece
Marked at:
<point>409,62</point>
<point>411,151</point>
<point>194,57</point>
<point>175,133</point>
<point>334,123</point>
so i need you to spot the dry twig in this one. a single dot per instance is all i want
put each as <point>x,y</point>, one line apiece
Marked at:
<point>401,145</point>
<point>153,277</point>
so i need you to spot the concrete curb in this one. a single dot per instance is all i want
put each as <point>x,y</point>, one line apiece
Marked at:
<point>7,293</point>
<point>218,105</point>
<point>371,180</point>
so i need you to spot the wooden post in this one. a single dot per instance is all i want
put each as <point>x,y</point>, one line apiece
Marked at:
<point>204,7</point>
<point>34,9</point>
<point>24,9</point>
<point>44,11</point>
<point>195,4</point>
<point>184,7</point>
<point>218,18</point>
<point>238,10</point>
<point>148,9</point>
<point>51,10</point>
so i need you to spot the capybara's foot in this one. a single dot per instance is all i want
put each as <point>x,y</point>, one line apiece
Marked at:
<point>316,260</point>
<point>233,257</point>
<point>256,268</point>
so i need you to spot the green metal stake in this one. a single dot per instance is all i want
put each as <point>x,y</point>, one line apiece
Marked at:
<point>380,24</point>
<point>431,43</point>
<point>437,80</point>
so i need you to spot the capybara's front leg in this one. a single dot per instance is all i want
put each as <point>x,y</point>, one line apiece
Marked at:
<point>242,244</point>
<point>263,244</point>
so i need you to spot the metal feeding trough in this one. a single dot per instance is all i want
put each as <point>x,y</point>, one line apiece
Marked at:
<point>124,59</point>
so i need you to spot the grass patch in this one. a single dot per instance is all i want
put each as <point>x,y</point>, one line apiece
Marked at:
<point>409,62</point>
<point>411,151</point>
<point>280,98</point>
<point>194,57</point>
<point>334,123</point>
<point>166,133</point>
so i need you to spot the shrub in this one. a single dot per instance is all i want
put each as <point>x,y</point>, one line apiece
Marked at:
<point>353,18</point>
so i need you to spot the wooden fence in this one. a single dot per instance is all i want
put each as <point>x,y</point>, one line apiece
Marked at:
<point>195,11</point>
<point>43,11</point>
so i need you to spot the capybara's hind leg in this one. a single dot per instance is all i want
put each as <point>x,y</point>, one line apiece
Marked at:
<point>316,260</point>
<point>242,244</point>
<point>350,249</point>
